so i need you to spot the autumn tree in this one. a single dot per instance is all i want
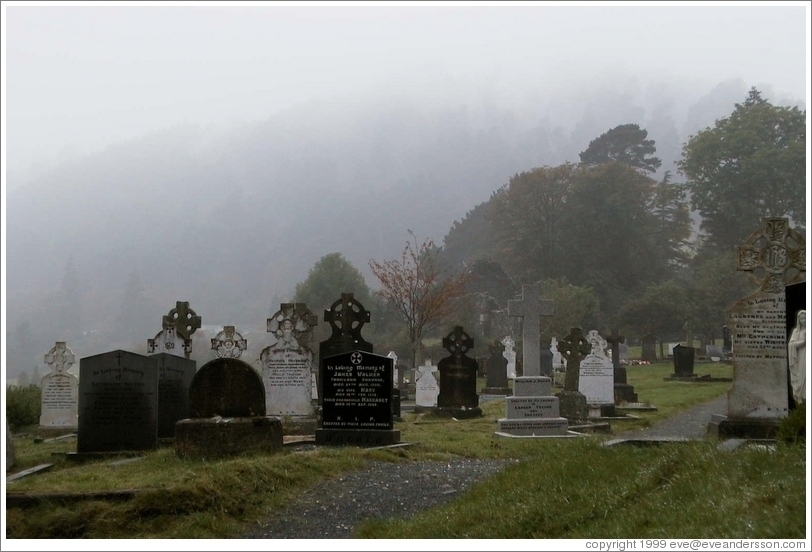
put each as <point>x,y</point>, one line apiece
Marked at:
<point>750,165</point>
<point>625,144</point>
<point>419,292</point>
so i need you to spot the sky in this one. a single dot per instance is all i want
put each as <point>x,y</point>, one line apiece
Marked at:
<point>79,76</point>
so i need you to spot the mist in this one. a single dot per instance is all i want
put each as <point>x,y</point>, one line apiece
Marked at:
<point>213,154</point>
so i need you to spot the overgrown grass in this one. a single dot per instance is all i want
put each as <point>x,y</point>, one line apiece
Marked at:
<point>560,488</point>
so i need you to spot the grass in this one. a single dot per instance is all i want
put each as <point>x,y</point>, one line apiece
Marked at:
<point>570,488</point>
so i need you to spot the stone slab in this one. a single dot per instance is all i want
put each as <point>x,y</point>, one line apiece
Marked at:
<point>222,437</point>
<point>29,471</point>
<point>533,426</point>
<point>725,427</point>
<point>532,386</point>
<point>357,437</point>
<point>569,434</point>
<point>531,407</point>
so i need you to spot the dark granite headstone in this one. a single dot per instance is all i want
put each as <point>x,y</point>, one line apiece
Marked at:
<point>118,403</point>
<point>546,362</point>
<point>346,318</point>
<point>649,348</point>
<point>356,400</point>
<point>683,361</point>
<point>226,387</point>
<point>458,373</point>
<point>497,380</point>
<point>174,379</point>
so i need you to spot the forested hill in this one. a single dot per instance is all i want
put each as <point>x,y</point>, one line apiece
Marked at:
<point>231,219</point>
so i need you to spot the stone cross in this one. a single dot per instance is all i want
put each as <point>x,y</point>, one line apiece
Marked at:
<point>776,249</point>
<point>615,340</point>
<point>458,342</point>
<point>60,357</point>
<point>228,343</point>
<point>574,347</point>
<point>183,319</point>
<point>346,317</point>
<point>294,318</point>
<point>529,308</point>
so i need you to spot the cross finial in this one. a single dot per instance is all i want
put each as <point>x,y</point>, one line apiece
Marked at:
<point>60,357</point>
<point>183,319</point>
<point>773,256</point>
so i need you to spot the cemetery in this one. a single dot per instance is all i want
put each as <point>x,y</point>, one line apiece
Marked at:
<point>139,435</point>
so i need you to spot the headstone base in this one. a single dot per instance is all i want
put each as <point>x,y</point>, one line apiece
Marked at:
<point>506,391</point>
<point>357,437</point>
<point>601,411</point>
<point>624,393</point>
<point>537,427</point>
<point>572,406</point>
<point>299,425</point>
<point>747,428</point>
<point>220,437</point>
<point>458,413</point>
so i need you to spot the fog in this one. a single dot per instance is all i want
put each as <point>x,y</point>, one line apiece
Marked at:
<point>214,153</point>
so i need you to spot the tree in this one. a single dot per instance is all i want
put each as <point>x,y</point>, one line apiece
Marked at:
<point>624,144</point>
<point>417,289</point>
<point>572,305</point>
<point>331,276</point>
<point>750,165</point>
<point>661,310</point>
<point>526,215</point>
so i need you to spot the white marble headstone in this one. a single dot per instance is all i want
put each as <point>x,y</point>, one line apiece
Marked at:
<point>60,389</point>
<point>510,355</point>
<point>427,387</point>
<point>596,378</point>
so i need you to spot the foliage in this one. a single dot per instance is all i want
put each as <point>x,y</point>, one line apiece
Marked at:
<point>661,310</point>
<point>573,306</point>
<point>625,144</point>
<point>23,405</point>
<point>526,216</point>
<point>470,239</point>
<point>792,429</point>
<point>331,276</point>
<point>750,165</point>
<point>417,289</point>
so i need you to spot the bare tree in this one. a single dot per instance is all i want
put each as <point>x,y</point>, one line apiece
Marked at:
<point>417,290</point>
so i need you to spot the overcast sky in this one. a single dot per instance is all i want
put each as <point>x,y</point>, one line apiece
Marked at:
<point>78,77</point>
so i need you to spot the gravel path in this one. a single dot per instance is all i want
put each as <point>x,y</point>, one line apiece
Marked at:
<point>383,490</point>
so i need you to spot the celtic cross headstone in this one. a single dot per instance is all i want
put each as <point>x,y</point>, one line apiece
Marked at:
<point>176,336</point>
<point>228,343</point>
<point>287,363</point>
<point>60,389</point>
<point>574,347</point>
<point>772,257</point>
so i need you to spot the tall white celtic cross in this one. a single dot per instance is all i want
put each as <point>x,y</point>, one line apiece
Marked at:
<point>530,307</point>
<point>60,357</point>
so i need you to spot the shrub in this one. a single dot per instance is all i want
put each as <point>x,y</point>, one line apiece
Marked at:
<point>792,429</point>
<point>23,406</point>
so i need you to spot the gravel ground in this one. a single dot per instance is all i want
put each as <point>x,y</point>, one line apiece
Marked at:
<point>383,490</point>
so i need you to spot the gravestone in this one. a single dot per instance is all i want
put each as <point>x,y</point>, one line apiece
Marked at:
<point>11,456</point>
<point>497,381</point>
<point>670,350</point>
<point>546,362</point>
<point>558,360</point>
<point>427,387</point>
<point>287,363</point>
<point>624,393</point>
<point>684,362</point>
<point>773,257</point>
<point>174,379</point>
<point>596,379</point>
<point>649,348</point>
<point>176,336</point>
<point>346,318</point>
<point>118,403</point>
<point>395,375</point>
<point>574,347</point>
<point>226,413</point>
<point>60,389</point>
<point>228,343</point>
<point>458,373</point>
<point>727,341</point>
<point>529,308</point>
<point>510,355</point>
<point>397,381</point>
<point>714,352</point>
<point>356,399</point>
